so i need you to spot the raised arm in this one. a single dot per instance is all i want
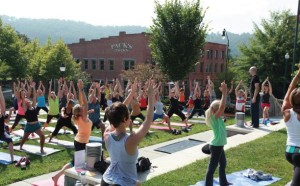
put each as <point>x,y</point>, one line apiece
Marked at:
<point>82,99</point>
<point>286,101</point>
<point>130,95</point>
<point>270,87</point>
<point>34,99</point>
<point>2,102</point>
<point>223,89</point>
<point>231,87</point>
<point>196,90</point>
<point>43,88</point>
<point>237,88</point>
<point>135,138</point>
<point>50,88</point>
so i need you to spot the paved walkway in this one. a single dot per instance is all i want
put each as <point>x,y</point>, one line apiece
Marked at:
<point>164,162</point>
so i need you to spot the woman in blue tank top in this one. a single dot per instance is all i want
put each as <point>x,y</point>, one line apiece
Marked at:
<point>122,147</point>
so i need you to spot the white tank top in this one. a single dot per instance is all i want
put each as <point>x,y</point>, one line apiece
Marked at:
<point>240,104</point>
<point>293,130</point>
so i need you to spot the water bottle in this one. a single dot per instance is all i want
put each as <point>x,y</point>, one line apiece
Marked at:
<point>78,183</point>
<point>82,178</point>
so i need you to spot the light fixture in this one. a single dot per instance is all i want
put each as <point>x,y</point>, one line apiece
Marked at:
<point>62,67</point>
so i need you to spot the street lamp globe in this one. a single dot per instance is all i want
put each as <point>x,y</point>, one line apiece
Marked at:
<point>287,56</point>
<point>62,68</point>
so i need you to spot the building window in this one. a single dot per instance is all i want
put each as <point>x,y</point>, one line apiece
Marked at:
<point>216,67</point>
<point>94,64</point>
<point>207,54</point>
<point>211,54</point>
<point>111,64</point>
<point>216,54</point>
<point>223,54</point>
<point>86,64</point>
<point>201,67</point>
<point>101,64</point>
<point>222,67</point>
<point>207,68</point>
<point>128,64</point>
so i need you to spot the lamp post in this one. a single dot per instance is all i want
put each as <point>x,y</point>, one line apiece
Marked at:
<point>225,35</point>
<point>296,37</point>
<point>62,69</point>
<point>286,56</point>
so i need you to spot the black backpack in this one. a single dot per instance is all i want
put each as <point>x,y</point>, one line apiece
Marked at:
<point>102,165</point>
<point>143,164</point>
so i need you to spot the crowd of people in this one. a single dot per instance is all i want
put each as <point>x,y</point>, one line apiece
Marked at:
<point>81,113</point>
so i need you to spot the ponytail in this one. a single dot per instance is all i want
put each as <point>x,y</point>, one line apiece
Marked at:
<point>214,105</point>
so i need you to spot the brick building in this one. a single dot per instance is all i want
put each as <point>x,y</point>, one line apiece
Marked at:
<point>107,57</point>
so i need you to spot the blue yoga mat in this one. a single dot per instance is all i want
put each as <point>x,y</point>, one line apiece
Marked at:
<point>5,158</point>
<point>237,179</point>
<point>95,139</point>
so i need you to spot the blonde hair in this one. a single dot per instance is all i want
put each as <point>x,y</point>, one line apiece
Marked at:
<point>214,105</point>
<point>77,112</point>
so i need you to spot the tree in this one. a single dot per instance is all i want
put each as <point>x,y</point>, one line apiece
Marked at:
<point>12,53</point>
<point>177,35</point>
<point>266,49</point>
<point>143,72</point>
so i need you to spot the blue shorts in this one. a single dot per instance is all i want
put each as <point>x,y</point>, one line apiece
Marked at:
<point>5,137</point>
<point>32,127</point>
<point>161,116</point>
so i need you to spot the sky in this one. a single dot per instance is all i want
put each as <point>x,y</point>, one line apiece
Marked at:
<point>236,16</point>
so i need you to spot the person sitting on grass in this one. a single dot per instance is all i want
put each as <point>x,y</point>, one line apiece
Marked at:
<point>216,146</point>
<point>291,115</point>
<point>31,115</point>
<point>122,147</point>
<point>84,125</point>
<point>4,136</point>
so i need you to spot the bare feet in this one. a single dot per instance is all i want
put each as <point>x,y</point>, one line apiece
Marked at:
<point>55,180</point>
<point>42,151</point>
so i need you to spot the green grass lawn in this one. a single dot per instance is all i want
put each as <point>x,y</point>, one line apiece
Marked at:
<point>257,155</point>
<point>266,154</point>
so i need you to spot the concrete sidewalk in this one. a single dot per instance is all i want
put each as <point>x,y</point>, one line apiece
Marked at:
<point>164,162</point>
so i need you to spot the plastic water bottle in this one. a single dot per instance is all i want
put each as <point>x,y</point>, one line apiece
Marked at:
<point>83,178</point>
<point>78,183</point>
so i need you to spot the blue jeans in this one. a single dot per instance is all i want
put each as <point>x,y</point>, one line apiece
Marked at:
<point>255,112</point>
<point>217,158</point>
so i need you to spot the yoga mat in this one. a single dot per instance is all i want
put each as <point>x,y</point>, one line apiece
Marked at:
<point>33,149</point>
<point>49,181</point>
<point>159,127</point>
<point>61,131</point>
<point>196,121</point>
<point>273,121</point>
<point>5,158</point>
<point>173,124</point>
<point>20,133</point>
<point>237,179</point>
<point>178,146</point>
<point>95,139</point>
<point>67,144</point>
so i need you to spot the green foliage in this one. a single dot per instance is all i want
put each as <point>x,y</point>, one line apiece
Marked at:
<point>267,48</point>
<point>12,51</point>
<point>177,35</point>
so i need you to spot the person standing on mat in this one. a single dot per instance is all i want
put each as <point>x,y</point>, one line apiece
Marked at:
<point>265,102</point>
<point>291,115</point>
<point>64,120</point>
<point>122,147</point>
<point>4,136</point>
<point>159,108</point>
<point>41,101</point>
<point>174,105</point>
<point>198,108</point>
<point>53,101</point>
<point>255,97</point>
<point>84,125</point>
<point>31,115</point>
<point>216,146</point>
